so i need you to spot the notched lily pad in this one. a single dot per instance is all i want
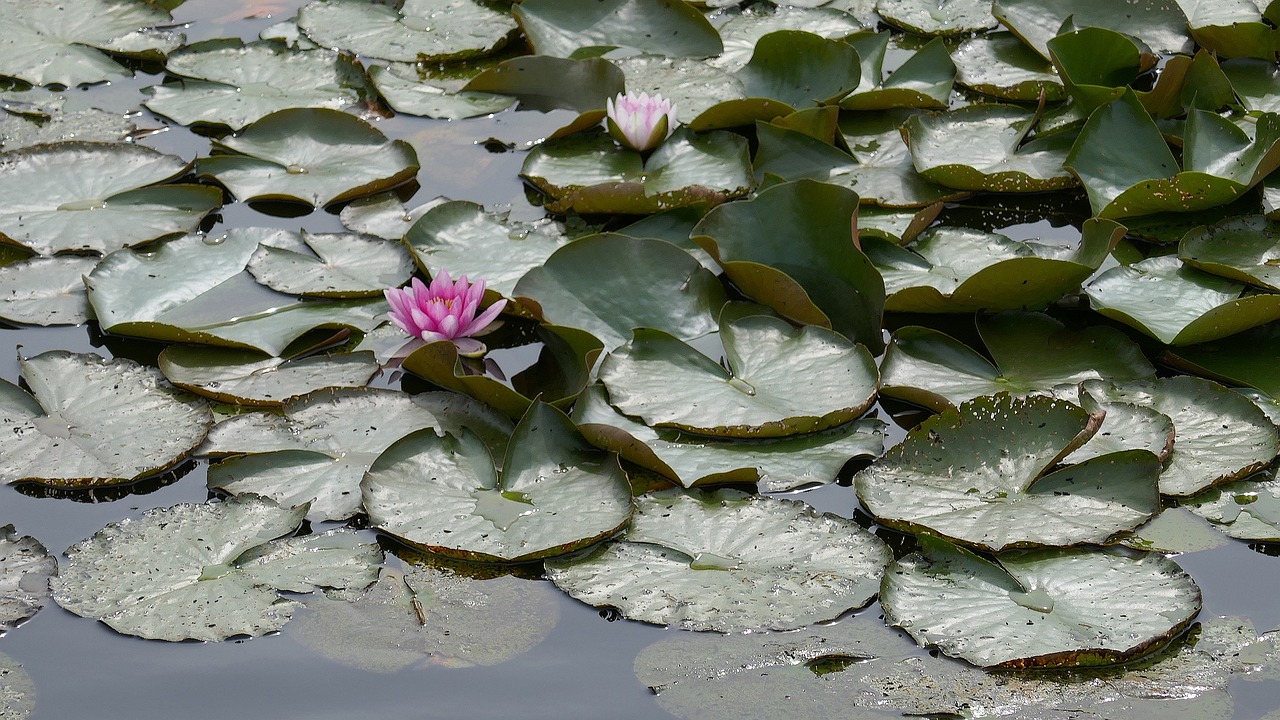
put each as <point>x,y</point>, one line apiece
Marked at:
<point>1247,509</point>
<point>248,378</point>
<point>334,265</point>
<point>922,81</point>
<point>46,290</point>
<point>412,89</point>
<point>416,30</point>
<point>25,569</point>
<point>1002,66</point>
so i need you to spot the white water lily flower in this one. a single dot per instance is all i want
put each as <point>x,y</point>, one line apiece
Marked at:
<point>640,122</point>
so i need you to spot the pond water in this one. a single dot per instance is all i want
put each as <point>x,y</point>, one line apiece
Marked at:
<point>583,669</point>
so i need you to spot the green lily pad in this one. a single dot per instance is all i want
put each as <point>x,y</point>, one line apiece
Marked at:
<point>693,86</point>
<point>923,81</point>
<point>25,569</point>
<point>743,30</point>
<point>1177,304</point>
<point>411,89</point>
<point>563,27</point>
<point>17,692</point>
<point>779,380</point>
<point>1175,530</point>
<point>248,378</point>
<point>19,130</point>
<point>654,285</point>
<point>897,226</point>
<point>429,618</point>
<point>63,43</point>
<point>555,493</point>
<point>383,215</point>
<point>160,578</point>
<point>1124,427</point>
<point>1255,82</point>
<point>776,464</point>
<point>333,265</point>
<point>1246,509</point>
<point>1097,65</point>
<point>590,173</point>
<point>784,566</point>
<point>326,441</point>
<point>792,248</point>
<point>546,83</point>
<point>675,226</point>
<point>938,17</point>
<point>46,290</point>
<point>1234,28</point>
<point>226,82</point>
<point>96,197</point>
<point>417,30</point>
<point>1032,353</point>
<point>1160,24</point>
<point>1241,359</point>
<point>315,156</point>
<point>1200,409</point>
<point>90,421</point>
<point>1245,249</point>
<point>1040,608</point>
<point>1002,66</point>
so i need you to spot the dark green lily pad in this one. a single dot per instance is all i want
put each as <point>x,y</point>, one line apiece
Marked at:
<point>778,380</point>
<point>675,226</point>
<point>160,578</point>
<point>416,30</point>
<point>1242,359</point>
<point>244,377</point>
<point>923,81</point>
<point>25,569</point>
<point>96,197</point>
<point>743,30</point>
<point>1160,24</point>
<point>1255,82</point>
<point>90,421</point>
<point>546,83</point>
<point>1245,249</point>
<point>1246,509</point>
<point>554,493</point>
<point>1232,28</point>
<point>17,692</point>
<point>410,89</point>
<point>315,156</point>
<point>938,17</point>
<point>785,566</point>
<point>1002,66</point>
<point>333,265</point>
<point>563,27</point>
<point>325,442</point>
<point>46,290</point>
<point>1039,608</point>
<point>1177,304</point>
<point>1097,65</point>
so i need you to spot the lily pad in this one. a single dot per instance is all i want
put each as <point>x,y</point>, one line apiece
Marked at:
<point>315,156</point>
<point>1097,65</point>
<point>1052,608</point>
<point>1255,82</point>
<point>743,30</point>
<point>1175,531</point>
<point>1246,509</point>
<point>693,86</point>
<point>18,130</point>
<point>554,493</point>
<point>1241,359</point>
<point>779,380</point>
<point>333,265</point>
<point>160,578</point>
<point>46,290</point>
<point>546,83</point>
<point>563,27</point>
<point>248,378</point>
<point>411,89</point>
<point>383,215</point>
<point>785,566</point>
<point>923,81</point>
<point>1002,66</point>
<point>938,17</point>
<point>1160,24</point>
<point>1244,249</point>
<point>96,196</point>
<point>1231,28</point>
<point>17,692</point>
<point>319,450</point>
<point>90,421</point>
<point>1125,427</point>
<point>417,30</point>
<point>25,569</point>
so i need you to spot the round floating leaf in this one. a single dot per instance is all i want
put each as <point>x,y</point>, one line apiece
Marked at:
<point>1201,410</point>
<point>315,156</point>
<point>938,17</point>
<point>226,82</point>
<point>546,83</point>
<point>249,378</point>
<point>1097,64</point>
<point>95,422</point>
<point>780,380</point>
<point>1245,510</point>
<point>340,265</point>
<point>17,692</point>
<point>1002,66</point>
<point>1125,427</point>
<point>693,86</point>
<point>657,27</point>
<point>429,618</point>
<point>554,493</point>
<point>207,572</point>
<point>416,31</point>
<point>924,80</point>
<point>1234,28</point>
<point>96,196</point>
<point>46,290</point>
<point>1245,249</point>
<point>1160,24</point>
<point>1242,359</point>
<point>383,215</point>
<point>800,69</point>
<point>25,569</point>
<point>743,30</point>
<point>784,566</point>
<point>1175,531</point>
<point>1177,304</point>
<point>318,452</point>
<point>777,464</point>
<point>19,131</point>
<point>409,89</point>
<point>1255,82</point>
<point>1043,608</point>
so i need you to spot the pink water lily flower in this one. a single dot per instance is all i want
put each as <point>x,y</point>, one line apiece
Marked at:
<point>638,121</point>
<point>443,310</point>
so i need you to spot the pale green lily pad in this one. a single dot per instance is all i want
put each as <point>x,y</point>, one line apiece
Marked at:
<point>17,692</point>
<point>325,442</point>
<point>1246,509</point>
<point>338,265</point>
<point>96,197</point>
<point>429,618</point>
<point>979,475</point>
<point>741,31</point>
<point>464,239</point>
<point>25,569</point>
<point>315,156</point>
<point>984,147</point>
<point>563,27</point>
<point>1002,66</point>
<point>778,380</point>
<point>1175,531</point>
<point>46,290</point>
<point>414,91</point>
<point>1244,249</point>
<point>383,215</point>
<point>1178,304</point>
<point>923,81</point>
<point>938,17</point>
<point>1032,353</point>
<point>777,464</point>
<point>19,131</point>
<point>693,86</point>
<point>244,377</point>
<point>897,226</point>
<point>654,284</point>
<point>417,30</point>
<point>1231,28</point>
<point>91,421</point>
<point>1160,24</point>
<point>675,226</point>
<point>1200,410</point>
<point>554,494</point>
<point>1039,608</point>
<point>1124,427</point>
<point>784,566</point>
<point>160,577</point>
<point>61,43</point>
<point>590,173</point>
<point>226,82</point>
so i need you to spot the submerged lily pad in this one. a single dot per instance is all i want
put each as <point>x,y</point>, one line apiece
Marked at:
<point>25,569</point>
<point>336,265</point>
<point>657,27</point>
<point>249,378</point>
<point>46,290</point>
<point>1244,249</point>
<point>160,577</point>
<point>90,421</point>
<point>416,30</point>
<point>554,493</point>
<point>1041,608</point>
<point>783,567</point>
